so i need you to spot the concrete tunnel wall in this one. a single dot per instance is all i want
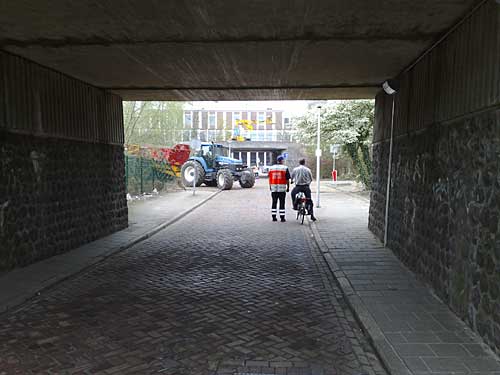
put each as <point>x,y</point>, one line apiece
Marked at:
<point>61,163</point>
<point>445,187</point>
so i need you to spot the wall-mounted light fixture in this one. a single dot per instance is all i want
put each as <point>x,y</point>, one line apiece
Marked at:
<point>390,87</point>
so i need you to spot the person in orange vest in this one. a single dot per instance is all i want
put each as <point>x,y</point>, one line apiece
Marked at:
<point>279,184</point>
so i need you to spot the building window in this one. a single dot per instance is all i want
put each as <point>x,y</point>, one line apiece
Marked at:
<point>212,135</point>
<point>236,119</point>
<point>261,120</point>
<point>236,125</point>
<point>253,158</point>
<point>261,124</point>
<point>200,120</point>
<point>188,119</point>
<point>260,159</point>
<point>211,120</point>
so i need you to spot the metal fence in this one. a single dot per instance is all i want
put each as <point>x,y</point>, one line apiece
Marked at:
<point>143,174</point>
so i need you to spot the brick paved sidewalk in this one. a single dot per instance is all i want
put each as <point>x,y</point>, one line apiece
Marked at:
<point>224,291</point>
<point>414,332</point>
<point>145,218</point>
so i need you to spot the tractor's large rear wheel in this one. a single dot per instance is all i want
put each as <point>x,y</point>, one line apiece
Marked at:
<point>189,170</point>
<point>224,179</point>
<point>247,179</point>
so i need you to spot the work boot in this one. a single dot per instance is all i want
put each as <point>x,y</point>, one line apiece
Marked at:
<point>283,219</point>
<point>274,218</point>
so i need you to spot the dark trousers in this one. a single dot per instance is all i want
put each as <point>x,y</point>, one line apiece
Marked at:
<point>307,191</point>
<point>281,197</point>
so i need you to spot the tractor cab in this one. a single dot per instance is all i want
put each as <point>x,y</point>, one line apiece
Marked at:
<point>216,155</point>
<point>206,152</point>
<point>212,165</point>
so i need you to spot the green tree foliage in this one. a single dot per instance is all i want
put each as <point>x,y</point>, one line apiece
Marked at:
<point>153,123</point>
<point>349,123</point>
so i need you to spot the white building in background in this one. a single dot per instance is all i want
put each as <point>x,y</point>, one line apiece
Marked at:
<point>256,132</point>
<point>214,121</point>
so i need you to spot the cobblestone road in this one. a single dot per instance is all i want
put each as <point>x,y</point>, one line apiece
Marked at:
<point>223,291</point>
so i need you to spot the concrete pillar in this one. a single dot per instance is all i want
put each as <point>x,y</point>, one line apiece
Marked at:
<point>63,176</point>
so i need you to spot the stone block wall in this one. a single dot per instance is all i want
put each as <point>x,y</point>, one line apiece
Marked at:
<point>376,218</point>
<point>444,214</point>
<point>444,206</point>
<point>56,195</point>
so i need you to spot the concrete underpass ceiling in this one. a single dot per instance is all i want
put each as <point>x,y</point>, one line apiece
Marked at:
<point>228,50</point>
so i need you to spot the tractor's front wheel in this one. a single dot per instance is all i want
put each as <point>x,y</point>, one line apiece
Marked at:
<point>189,171</point>
<point>247,179</point>
<point>224,179</point>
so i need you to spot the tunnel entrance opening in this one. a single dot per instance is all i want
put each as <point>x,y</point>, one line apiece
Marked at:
<point>255,133</point>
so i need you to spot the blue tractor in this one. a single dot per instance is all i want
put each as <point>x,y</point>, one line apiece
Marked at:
<point>212,166</point>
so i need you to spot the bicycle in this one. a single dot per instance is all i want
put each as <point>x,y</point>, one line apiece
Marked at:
<point>302,203</point>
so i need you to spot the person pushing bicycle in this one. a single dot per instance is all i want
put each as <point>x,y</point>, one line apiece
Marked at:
<point>303,178</point>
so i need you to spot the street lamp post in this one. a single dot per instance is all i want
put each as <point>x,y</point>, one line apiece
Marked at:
<point>390,87</point>
<point>195,144</point>
<point>194,181</point>
<point>318,158</point>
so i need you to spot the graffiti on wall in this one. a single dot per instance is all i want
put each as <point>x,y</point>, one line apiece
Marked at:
<point>165,162</point>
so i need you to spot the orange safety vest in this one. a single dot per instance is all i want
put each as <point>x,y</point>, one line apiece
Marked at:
<point>277,178</point>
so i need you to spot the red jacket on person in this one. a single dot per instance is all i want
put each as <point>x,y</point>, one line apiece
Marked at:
<point>278,178</point>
